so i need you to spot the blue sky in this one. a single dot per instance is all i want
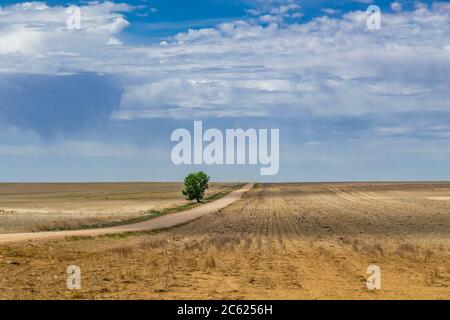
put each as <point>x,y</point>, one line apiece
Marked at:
<point>100,103</point>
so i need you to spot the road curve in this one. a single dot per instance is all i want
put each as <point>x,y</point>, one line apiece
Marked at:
<point>166,221</point>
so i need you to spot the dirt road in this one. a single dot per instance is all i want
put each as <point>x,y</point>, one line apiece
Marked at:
<point>279,241</point>
<point>162,222</point>
<point>41,207</point>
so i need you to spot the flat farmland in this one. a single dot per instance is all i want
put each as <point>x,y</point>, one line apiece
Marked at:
<point>52,206</point>
<point>280,241</point>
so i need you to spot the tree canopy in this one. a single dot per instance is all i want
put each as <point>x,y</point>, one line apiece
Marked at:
<point>195,185</point>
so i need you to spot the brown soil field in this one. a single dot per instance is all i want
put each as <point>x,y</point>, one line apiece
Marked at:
<point>52,206</point>
<point>280,241</point>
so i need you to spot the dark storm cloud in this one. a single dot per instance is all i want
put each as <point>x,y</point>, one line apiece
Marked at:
<point>57,105</point>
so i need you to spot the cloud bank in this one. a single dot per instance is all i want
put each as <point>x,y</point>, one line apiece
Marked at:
<point>340,81</point>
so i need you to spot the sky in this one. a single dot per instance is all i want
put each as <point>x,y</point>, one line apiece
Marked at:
<point>100,103</point>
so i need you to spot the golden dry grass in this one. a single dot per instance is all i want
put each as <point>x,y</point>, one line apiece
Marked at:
<point>281,241</point>
<point>50,206</point>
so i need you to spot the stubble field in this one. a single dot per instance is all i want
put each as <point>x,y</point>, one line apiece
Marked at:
<point>281,241</point>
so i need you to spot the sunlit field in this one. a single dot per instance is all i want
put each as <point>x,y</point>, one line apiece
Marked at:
<point>280,241</point>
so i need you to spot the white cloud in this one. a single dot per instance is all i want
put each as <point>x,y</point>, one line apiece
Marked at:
<point>114,42</point>
<point>284,9</point>
<point>276,12</point>
<point>396,6</point>
<point>324,67</point>
<point>267,18</point>
<point>329,11</point>
<point>33,28</point>
<point>195,35</point>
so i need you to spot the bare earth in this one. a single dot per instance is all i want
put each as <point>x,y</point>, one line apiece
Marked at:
<point>280,241</point>
<point>49,206</point>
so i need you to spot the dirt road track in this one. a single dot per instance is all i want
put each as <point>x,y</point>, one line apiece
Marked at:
<point>166,221</point>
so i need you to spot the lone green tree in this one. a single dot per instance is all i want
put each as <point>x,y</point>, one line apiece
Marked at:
<point>195,185</point>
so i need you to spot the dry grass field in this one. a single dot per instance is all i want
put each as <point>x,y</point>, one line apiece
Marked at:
<point>51,206</point>
<point>281,241</point>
